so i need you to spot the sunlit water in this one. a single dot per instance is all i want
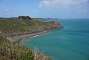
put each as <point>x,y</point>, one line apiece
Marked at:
<point>69,43</point>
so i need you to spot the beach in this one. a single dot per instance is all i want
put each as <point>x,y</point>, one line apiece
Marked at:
<point>19,38</point>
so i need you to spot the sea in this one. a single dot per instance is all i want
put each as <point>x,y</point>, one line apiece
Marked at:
<point>68,43</point>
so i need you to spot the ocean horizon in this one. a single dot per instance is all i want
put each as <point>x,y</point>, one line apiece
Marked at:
<point>68,43</point>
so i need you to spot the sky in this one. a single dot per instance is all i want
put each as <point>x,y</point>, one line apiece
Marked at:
<point>45,8</point>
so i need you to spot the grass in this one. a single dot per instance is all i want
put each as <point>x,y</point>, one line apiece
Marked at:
<point>23,25</point>
<point>9,51</point>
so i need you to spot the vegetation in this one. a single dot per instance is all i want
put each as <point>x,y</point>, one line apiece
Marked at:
<point>23,24</point>
<point>9,51</point>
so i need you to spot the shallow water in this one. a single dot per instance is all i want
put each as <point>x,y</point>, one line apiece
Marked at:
<point>69,43</point>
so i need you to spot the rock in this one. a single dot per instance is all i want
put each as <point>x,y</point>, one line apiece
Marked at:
<point>24,17</point>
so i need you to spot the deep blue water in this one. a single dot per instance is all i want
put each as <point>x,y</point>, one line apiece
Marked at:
<point>69,43</point>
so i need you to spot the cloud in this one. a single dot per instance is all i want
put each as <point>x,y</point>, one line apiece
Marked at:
<point>65,8</point>
<point>61,3</point>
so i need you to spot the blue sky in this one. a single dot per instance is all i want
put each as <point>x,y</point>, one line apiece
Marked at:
<point>45,8</point>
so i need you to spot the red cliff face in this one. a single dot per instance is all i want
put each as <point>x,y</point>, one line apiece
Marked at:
<point>55,25</point>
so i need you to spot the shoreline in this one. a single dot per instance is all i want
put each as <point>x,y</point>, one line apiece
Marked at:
<point>20,38</point>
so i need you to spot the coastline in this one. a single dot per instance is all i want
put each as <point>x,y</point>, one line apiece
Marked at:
<point>34,54</point>
<point>20,38</point>
<point>17,32</point>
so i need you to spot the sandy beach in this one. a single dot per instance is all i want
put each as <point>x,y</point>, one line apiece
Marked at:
<point>20,38</point>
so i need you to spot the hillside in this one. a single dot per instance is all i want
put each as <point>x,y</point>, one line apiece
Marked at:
<point>25,24</point>
<point>9,51</point>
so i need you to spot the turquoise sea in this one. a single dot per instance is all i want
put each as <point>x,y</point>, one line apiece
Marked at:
<point>69,43</point>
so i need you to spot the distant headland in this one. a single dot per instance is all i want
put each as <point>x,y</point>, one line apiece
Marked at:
<point>25,25</point>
